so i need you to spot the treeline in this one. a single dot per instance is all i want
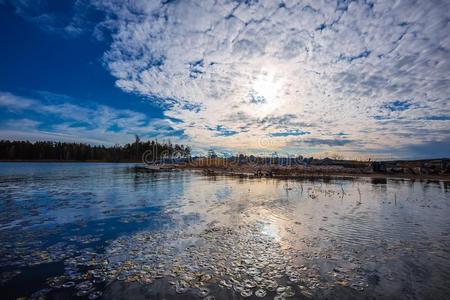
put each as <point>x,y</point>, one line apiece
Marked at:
<point>48,150</point>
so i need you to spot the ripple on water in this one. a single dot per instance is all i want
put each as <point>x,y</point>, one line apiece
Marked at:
<point>115,230</point>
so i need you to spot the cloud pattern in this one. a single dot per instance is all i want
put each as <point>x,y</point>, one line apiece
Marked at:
<point>356,76</point>
<point>377,71</point>
<point>58,117</point>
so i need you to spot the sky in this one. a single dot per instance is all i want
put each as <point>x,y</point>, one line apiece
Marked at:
<point>359,78</point>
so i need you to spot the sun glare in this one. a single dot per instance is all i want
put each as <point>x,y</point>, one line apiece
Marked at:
<point>265,91</point>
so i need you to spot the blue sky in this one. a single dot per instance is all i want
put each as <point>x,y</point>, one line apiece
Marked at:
<point>361,78</point>
<point>50,68</point>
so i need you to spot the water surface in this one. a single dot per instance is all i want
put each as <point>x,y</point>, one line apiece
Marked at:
<point>85,230</point>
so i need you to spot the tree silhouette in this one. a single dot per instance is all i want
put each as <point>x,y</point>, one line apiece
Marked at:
<point>49,150</point>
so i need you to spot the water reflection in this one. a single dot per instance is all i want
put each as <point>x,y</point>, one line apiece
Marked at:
<point>116,231</point>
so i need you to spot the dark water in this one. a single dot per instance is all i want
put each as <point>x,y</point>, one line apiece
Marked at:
<point>113,231</point>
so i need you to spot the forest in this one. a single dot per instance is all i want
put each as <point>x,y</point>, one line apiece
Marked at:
<point>62,151</point>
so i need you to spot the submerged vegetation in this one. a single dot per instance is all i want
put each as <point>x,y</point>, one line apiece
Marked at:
<point>181,235</point>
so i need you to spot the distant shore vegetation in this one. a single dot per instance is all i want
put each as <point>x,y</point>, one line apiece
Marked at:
<point>62,151</point>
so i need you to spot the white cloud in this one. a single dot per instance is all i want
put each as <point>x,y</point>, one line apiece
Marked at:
<point>326,64</point>
<point>64,120</point>
<point>262,67</point>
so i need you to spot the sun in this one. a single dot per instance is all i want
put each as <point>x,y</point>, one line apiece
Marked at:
<point>265,92</point>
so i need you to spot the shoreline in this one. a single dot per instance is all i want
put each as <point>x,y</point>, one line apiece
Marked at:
<point>291,174</point>
<point>336,176</point>
<point>244,171</point>
<point>70,161</point>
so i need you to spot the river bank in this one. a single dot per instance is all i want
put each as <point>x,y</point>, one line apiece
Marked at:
<point>333,175</point>
<point>296,172</point>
